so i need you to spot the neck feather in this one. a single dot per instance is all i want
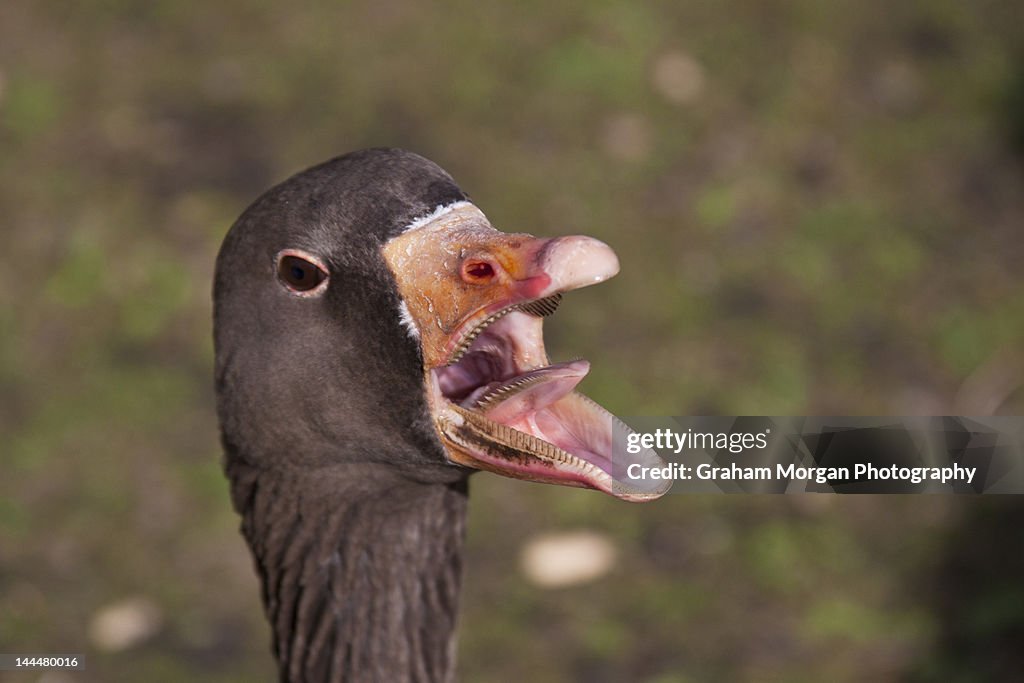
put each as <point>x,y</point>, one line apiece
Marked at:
<point>360,569</point>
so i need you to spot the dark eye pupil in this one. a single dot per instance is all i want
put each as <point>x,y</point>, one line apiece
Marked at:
<point>299,274</point>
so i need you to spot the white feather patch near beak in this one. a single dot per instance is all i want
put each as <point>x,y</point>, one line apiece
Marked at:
<point>406,318</point>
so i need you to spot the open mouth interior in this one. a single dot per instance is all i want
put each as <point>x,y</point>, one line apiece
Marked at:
<point>502,403</point>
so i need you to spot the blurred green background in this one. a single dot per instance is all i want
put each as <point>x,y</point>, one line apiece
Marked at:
<point>818,208</point>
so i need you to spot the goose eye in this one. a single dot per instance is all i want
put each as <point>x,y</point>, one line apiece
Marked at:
<point>298,274</point>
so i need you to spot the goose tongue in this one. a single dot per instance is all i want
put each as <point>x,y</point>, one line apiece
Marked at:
<point>525,395</point>
<point>496,410</point>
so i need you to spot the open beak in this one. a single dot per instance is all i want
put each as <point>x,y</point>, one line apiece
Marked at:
<point>478,298</point>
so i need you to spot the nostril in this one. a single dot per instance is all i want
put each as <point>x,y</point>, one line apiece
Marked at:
<point>477,271</point>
